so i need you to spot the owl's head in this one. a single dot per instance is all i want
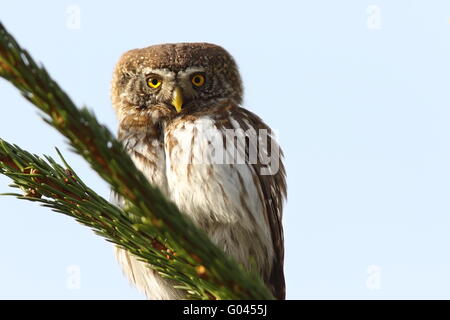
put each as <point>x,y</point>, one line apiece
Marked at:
<point>174,78</point>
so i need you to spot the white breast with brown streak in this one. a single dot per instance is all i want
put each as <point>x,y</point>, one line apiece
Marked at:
<point>224,199</point>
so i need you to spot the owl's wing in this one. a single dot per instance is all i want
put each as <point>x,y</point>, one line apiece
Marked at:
<point>242,193</point>
<point>271,178</point>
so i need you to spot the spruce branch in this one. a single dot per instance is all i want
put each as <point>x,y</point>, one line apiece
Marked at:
<point>61,189</point>
<point>199,266</point>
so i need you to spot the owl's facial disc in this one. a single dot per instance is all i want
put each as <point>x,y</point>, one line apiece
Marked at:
<point>176,89</point>
<point>171,79</point>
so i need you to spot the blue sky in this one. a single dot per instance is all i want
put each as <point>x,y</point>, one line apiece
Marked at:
<point>358,91</point>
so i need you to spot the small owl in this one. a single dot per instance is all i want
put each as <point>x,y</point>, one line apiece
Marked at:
<point>180,119</point>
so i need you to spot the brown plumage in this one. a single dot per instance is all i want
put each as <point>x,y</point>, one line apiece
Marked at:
<point>180,119</point>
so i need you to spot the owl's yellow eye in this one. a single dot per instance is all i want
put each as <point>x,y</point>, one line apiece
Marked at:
<point>198,80</point>
<point>154,83</point>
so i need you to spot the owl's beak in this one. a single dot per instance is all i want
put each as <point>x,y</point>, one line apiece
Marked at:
<point>177,99</point>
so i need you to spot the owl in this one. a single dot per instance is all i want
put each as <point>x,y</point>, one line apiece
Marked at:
<point>181,121</point>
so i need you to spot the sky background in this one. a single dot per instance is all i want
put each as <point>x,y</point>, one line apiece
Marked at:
<point>359,94</point>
